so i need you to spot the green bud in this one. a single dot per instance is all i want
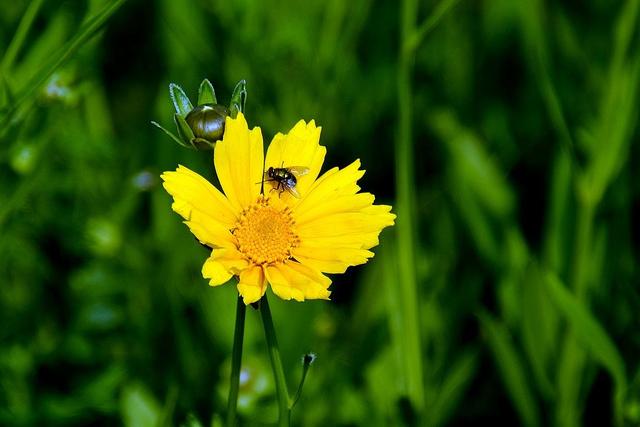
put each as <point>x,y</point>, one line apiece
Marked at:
<point>202,126</point>
<point>207,121</point>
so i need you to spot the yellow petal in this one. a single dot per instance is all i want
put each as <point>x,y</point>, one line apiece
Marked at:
<point>211,234</point>
<point>295,281</point>
<point>232,260</point>
<point>335,224</point>
<point>349,224</point>
<point>331,259</point>
<point>301,148</point>
<point>331,267</point>
<point>215,272</point>
<point>339,204</point>
<point>197,193</point>
<point>336,241</point>
<point>252,284</point>
<point>207,211</point>
<point>333,183</point>
<point>239,160</point>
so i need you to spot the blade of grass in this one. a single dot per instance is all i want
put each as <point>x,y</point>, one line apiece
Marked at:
<point>430,23</point>
<point>405,227</point>
<point>410,37</point>
<point>88,30</point>
<point>20,35</point>
<point>612,131</point>
<point>533,21</point>
<point>572,364</point>
<point>539,328</point>
<point>512,369</point>
<point>591,336</point>
<point>557,216</point>
<point>453,387</point>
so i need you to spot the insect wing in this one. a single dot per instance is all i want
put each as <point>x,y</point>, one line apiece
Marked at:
<point>298,170</point>
<point>293,191</point>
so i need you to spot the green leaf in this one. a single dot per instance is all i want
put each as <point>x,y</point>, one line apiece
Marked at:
<point>475,218</point>
<point>512,370</point>
<point>539,328</point>
<point>175,138</point>
<point>590,334</point>
<point>20,35</point>
<point>216,421</point>
<point>6,94</point>
<point>191,421</point>
<point>138,407</point>
<point>238,99</point>
<point>185,132</point>
<point>556,235</point>
<point>206,94</point>
<point>453,387</point>
<point>180,100</point>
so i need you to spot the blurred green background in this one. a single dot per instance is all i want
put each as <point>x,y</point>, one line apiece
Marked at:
<point>503,132</point>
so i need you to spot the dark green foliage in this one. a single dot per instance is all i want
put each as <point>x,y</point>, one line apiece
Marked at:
<point>516,125</point>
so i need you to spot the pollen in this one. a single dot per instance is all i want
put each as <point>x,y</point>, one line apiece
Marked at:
<point>265,234</point>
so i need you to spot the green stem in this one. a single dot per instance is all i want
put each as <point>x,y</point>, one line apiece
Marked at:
<point>412,354</point>
<point>429,24</point>
<point>410,342</point>
<point>276,364</point>
<point>236,361</point>
<point>307,360</point>
<point>582,249</point>
<point>573,360</point>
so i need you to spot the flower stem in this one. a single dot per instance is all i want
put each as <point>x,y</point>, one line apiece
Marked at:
<point>276,364</point>
<point>236,359</point>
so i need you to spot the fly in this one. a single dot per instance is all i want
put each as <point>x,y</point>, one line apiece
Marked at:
<point>286,178</point>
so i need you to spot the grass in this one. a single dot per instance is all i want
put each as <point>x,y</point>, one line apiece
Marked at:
<point>504,135</point>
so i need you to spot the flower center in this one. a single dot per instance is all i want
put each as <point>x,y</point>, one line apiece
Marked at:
<point>265,235</point>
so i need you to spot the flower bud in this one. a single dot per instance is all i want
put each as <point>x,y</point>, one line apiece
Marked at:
<point>207,122</point>
<point>200,127</point>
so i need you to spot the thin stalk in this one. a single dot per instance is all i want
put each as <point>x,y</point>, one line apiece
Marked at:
<point>582,248</point>
<point>573,358</point>
<point>20,35</point>
<point>411,35</point>
<point>412,354</point>
<point>430,23</point>
<point>236,361</point>
<point>306,363</point>
<point>284,412</point>
<point>573,363</point>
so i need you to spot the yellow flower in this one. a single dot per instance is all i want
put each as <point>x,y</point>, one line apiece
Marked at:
<point>274,237</point>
